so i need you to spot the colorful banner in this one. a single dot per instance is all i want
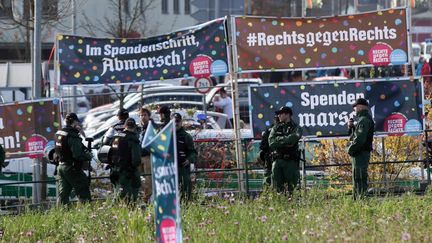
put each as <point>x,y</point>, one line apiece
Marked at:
<point>199,51</point>
<point>27,127</point>
<point>165,182</point>
<point>271,44</point>
<point>324,108</point>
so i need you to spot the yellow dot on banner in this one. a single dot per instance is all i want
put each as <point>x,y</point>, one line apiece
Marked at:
<point>29,119</point>
<point>53,113</point>
<point>80,41</point>
<point>217,39</point>
<point>291,65</point>
<point>123,40</point>
<point>315,49</point>
<point>113,77</point>
<point>77,75</point>
<point>279,57</point>
<point>94,68</point>
<point>152,150</point>
<point>56,124</point>
<point>309,21</point>
<point>138,74</point>
<point>260,67</point>
<point>112,41</point>
<point>351,17</point>
<point>260,116</point>
<point>273,69</point>
<point>165,71</point>
<point>271,106</point>
<point>382,96</point>
<point>60,37</point>
<point>255,90</point>
<point>161,147</point>
<point>380,13</point>
<point>302,87</point>
<point>160,209</point>
<point>163,137</point>
<point>336,84</point>
<point>352,59</point>
<point>319,133</point>
<point>299,23</point>
<point>362,63</point>
<point>282,24</point>
<point>161,78</point>
<point>80,50</point>
<point>307,60</point>
<point>369,23</point>
<point>250,24</point>
<point>385,21</point>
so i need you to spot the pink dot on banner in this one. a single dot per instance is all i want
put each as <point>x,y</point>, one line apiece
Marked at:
<point>200,67</point>
<point>379,54</point>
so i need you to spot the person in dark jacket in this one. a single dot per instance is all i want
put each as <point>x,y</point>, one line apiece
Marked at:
<point>165,116</point>
<point>360,146</point>
<point>265,152</point>
<point>186,155</point>
<point>125,159</point>
<point>71,154</point>
<point>283,142</point>
<point>122,115</point>
<point>2,157</point>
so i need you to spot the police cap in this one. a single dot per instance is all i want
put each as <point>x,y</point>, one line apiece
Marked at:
<point>130,123</point>
<point>123,112</point>
<point>284,109</point>
<point>177,116</point>
<point>360,101</point>
<point>71,117</point>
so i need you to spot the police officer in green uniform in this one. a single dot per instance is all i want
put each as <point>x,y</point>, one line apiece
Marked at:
<point>71,154</point>
<point>125,160</point>
<point>283,141</point>
<point>265,152</point>
<point>122,115</point>
<point>360,146</point>
<point>186,155</point>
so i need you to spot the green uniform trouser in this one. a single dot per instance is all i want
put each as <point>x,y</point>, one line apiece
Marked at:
<point>127,185</point>
<point>71,178</point>
<point>185,182</point>
<point>360,165</point>
<point>286,175</point>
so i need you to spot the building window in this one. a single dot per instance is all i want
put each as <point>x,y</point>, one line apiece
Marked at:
<point>49,9</point>
<point>187,7</point>
<point>5,8</point>
<point>176,6</point>
<point>165,6</point>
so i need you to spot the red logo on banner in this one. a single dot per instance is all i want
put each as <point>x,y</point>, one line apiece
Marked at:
<point>168,230</point>
<point>379,55</point>
<point>200,67</point>
<point>395,124</point>
<point>35,143</point>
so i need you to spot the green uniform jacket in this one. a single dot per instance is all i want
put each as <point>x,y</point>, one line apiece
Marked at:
<point>77,147</point>
<point>135,148</point>
<point>284,135</point>
<point>361,138</point>
<point>191,153</point>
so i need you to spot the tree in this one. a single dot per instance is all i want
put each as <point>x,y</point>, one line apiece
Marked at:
<point>126,21</point>
<point>16,18</point>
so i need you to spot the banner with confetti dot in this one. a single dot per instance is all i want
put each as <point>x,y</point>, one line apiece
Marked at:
<point>323,109</point>
<point>277,44</point>
<point>198,51</point>
<point>163,151</point>
<point>26,127</point>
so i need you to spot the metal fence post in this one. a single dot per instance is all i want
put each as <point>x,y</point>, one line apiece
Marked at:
<point>303,161</point>
<point>427,158</point>
<point>385,163</point>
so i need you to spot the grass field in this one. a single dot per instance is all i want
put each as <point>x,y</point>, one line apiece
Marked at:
<point>314,217</point>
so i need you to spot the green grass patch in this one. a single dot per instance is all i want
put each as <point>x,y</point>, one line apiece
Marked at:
<point>315,217</point>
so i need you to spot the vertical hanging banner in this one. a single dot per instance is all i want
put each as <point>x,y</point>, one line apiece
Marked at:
<point>198,51</point>
<point>272,44</point>
<point>27,127</point>
<point>324,108</point>
<point>163,151</point>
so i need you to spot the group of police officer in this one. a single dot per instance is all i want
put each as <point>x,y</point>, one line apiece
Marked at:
<point>127,159</point>
<point>281,156</point>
